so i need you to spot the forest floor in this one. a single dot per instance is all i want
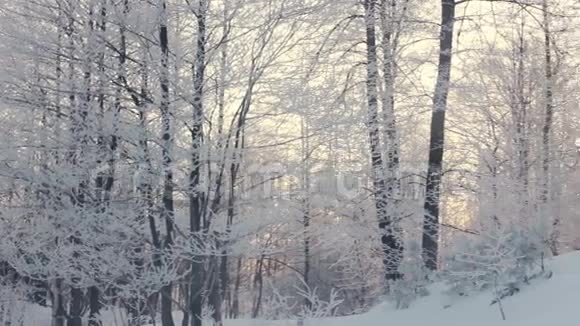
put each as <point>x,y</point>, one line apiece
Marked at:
<point>545,301</point>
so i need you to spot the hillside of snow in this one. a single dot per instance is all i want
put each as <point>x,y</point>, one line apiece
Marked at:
<point>553,301</point>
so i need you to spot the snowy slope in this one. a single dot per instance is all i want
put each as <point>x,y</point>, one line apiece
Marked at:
<point>554,301</point>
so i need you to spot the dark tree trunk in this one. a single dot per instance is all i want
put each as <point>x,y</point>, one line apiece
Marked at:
<point>196,199</point>
<point>167,213</point>
<point>391,238</point>
<point>224,281</point>
<point>58,312</point>
<point>105,179</point>
<point>236,294</point>
<point>519,107</point>
<point>306,225</point>
<point>388,238</point>
<point>185,292</point>
<point>79,112</point>
<point>58,309</point>
<point>547,128</point>
<point>215,298</point>
<point>94,306</point>
<point>145,188</point>
<point>306,206</point>
<point>437,142</point>
<point>76,308</point>
<point>224,265</point>
<point>196,293</point>
<point>258,286</point>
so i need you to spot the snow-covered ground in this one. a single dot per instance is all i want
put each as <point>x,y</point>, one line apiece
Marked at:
<point>554,301</point>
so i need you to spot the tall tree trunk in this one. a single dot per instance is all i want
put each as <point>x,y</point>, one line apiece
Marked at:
<point>519,113</point>
<point>94,306</point>
<point>547,128</point>
<point>58,310</point>
<point>167,213</point>
<point>224,265</point>
<point>437,142</point>
<point>391,237</point>
<point>258,287</point>
<point>519,107</point>
<point>236,294</point>
<point>306,204</point>
<point>75,308</point>
<point>378,170</point>
<point>196,199</point>
<point>185,292</point>
<point>107,148</point>
<point>58,313</point>
<point>214,293</point>
<point>145,186</point>
<point>80,135</point>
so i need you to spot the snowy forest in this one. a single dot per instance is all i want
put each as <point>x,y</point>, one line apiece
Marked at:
<point>207,162</point>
